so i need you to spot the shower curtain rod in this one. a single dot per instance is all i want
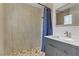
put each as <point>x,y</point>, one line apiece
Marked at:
<point>42,5</point>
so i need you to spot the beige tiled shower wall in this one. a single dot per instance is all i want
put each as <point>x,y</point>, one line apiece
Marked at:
<point>1,30</point>
<point>22,27</point>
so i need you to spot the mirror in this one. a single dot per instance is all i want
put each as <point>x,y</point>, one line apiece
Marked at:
<point>69,16</point>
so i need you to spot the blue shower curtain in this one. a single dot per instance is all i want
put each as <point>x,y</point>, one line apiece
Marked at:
<point>47,27</point>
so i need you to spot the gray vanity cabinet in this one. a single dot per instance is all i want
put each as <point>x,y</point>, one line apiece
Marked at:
<point>56,48</point>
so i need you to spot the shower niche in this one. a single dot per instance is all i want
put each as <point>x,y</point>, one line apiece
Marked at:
<point>68,15</point>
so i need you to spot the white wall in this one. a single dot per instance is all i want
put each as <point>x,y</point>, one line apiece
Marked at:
<point>73,29</point>
<point>60,30</point>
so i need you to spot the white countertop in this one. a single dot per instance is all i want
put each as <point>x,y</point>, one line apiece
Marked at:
<point>71,41</point>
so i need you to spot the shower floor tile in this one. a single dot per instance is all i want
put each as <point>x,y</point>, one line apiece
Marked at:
<point>27,52</point>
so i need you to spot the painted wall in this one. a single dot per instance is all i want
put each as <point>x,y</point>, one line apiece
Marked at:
<point>59,31</point>
<point>58,5</point>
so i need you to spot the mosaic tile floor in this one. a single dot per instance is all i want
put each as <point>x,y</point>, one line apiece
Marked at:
<point>27,52</point>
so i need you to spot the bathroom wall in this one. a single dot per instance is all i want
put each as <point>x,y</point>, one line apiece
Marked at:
<point>59,30</point>
<point>1,30</point>
<point>22,26</point>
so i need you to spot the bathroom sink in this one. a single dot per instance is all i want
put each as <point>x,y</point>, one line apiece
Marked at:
<point>69,39</point>
<point>64,38</point>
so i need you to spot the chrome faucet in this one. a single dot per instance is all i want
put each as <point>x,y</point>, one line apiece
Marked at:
<point>68,34</point>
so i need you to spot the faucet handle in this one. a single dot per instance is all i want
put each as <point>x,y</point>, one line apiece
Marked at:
<point>69,34</point>
<point>66,32</point>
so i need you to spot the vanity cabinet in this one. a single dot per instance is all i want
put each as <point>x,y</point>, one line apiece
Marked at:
<point>56,48</point>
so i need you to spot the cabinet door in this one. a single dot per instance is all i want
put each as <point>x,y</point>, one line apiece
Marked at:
<point>60,53</point>
<point>50,51</point>
<point>76,51</point>
<point>69,49</point>
<point>54,51</point>
<point>66,48</point>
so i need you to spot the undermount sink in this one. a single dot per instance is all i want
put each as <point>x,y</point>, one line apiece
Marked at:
<point>64,38</point>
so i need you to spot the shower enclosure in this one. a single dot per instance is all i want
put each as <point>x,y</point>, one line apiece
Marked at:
<point>21,27</point>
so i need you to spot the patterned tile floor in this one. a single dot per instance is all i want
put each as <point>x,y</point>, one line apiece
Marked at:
<point>27,52</point>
